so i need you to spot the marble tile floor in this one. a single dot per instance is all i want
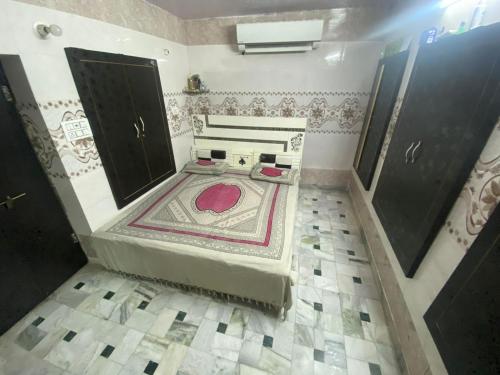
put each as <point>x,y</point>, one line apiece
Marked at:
<point>101,323</point>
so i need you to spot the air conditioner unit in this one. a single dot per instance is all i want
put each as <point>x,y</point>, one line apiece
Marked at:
<point>278,37</point>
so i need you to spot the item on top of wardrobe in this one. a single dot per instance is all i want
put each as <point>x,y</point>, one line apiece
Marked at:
<point>202,166</point>
<point>286,176</point>
<point>380,108</point>
<point>195,85</point>
<point>450,108</point>
<point>123,100</point>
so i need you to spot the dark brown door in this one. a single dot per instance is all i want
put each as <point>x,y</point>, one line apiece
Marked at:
<point>464,319</point>
<point>149,107</point>
<point>37,252</point>
<point>384,93</point>
<point>118,128</point>
<point>450,107</point>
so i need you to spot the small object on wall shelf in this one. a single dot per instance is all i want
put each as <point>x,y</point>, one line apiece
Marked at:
<point>195,86</point>
<point>195,92</point>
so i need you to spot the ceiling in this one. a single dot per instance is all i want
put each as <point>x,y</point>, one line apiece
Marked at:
<point>193,9</point>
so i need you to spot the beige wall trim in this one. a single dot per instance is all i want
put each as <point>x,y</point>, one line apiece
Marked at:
<point>333,178</point>
<point>138,15</point>
<point>400,323</point>
<point>341,24</point>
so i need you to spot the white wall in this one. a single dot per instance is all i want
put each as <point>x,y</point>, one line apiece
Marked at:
<point>320,85</point>
<point>454,239</point>
<point>53,87</point>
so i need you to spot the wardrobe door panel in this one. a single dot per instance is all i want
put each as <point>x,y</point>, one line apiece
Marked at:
<point>117,128</point>
<point>449,110</point>
<point>464,319</point>
<point>151,116</point>
<point>385,91</point>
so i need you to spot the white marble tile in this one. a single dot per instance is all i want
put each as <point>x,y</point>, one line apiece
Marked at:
<point>361,349</point>
<point>226,346</point>
<point>356,367</point>
<point>303,360</point>
<point>152,348</point>
<point>172,359</point>
<point>274,363</point>
<point>141,320</point>
<point>250,353</point>
<point>219,312</point>
<point>196,363</point>
<point>283,339</point>
<point>124,350</point>
<point>104,366</point>
<point>205,335</point>
<point>163,322</point>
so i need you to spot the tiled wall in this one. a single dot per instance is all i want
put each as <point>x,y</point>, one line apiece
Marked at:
<point>479,197</point>
<point>75,167</point>
<point>329,86</point>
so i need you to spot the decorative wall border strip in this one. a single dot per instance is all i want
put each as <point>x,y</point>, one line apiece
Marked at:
<point>289,93</point>
<point>284,143</point>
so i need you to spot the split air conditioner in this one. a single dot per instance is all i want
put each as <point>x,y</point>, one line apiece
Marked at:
<point>278,37</point>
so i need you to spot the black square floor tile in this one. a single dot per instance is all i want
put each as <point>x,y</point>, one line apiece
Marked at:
<point>316,247</point>
<point>69,336</point>
<point>107,351</point>
<point>374,369</point>
<point>151,368</point>
<point>319,355</point>
<point>79,285</point>
<point>222,328</point>
<point>350,252</point>
<point>38,321</point>
<point>109,295</point>
<point>365,317</point>
<point>315,212</point>
<point>180,316</point>
<point>268,341</point>
<point>315,199</point>
<point>143,305</point>
<point>339,202</point>
<point>318,306</point>
<point>316,227</point>
<point>317,272</point>
<point>346,232</point>
<point>356,279</point>
<point>342,215</point>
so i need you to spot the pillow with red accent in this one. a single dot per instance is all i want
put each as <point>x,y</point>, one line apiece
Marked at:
<point>202,166</point>
<point>273,174</point>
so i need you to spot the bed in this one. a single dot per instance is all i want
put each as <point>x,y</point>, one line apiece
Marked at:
<point>226,234</point>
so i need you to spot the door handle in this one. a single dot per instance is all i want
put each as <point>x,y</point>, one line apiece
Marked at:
<point>9,201</point>
<point>136,130</point>
<point>143,131</point>
<point>415,149</point>
<point>407,152</point>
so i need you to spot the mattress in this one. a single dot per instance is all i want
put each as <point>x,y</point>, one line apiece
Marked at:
<point>225,233</point>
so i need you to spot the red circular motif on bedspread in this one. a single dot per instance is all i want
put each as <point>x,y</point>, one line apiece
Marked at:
<point>271,172</point>
<point>205,162</point>
<point>218,198</point>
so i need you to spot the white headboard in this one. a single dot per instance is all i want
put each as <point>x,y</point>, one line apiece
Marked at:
<point>244,138</point>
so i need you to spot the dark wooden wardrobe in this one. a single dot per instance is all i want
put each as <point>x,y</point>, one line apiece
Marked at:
<point>378,114</point>
<point>450,108</point>
<point>123,100</point>
<point>464,319</point>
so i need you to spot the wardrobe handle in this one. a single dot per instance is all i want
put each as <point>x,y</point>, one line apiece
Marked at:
<point>415,149</point>
<point>136,130</point>
<point>407,151</point>
<point>143,131</point>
